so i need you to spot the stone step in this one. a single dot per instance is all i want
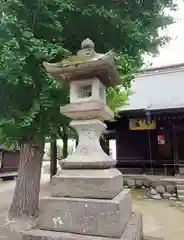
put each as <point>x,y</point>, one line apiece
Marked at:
<point>180,186</point>
<point>180,191</point>
<point>181,198</point>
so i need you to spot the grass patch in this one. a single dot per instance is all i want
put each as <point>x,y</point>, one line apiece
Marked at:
<point>138,192</point>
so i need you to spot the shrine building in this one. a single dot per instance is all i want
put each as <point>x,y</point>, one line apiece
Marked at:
<point>149,131</point>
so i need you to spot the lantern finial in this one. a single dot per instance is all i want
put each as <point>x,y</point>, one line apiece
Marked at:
<point>87,43</point>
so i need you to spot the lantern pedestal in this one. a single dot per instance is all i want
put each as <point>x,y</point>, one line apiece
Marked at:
<point>87,200</point>
<point>89,154</point>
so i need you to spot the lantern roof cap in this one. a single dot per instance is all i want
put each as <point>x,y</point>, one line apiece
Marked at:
<point>87,63</point>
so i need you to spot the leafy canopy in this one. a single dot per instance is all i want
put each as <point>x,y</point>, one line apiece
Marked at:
<point>30,99</point>
<point>34,31</point>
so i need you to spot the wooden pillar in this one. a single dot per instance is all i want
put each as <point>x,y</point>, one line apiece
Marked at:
<point>150,151</point>
<point>175,147</point>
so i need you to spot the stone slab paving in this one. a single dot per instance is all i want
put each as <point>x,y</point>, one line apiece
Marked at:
<point>161,221</point>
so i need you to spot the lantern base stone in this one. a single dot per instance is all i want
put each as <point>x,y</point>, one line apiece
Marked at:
<point>99,217</point>
<point>87,183</point>
<point>132,231</point>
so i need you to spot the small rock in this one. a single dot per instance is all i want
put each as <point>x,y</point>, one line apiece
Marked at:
<point>130,182</point>
<point>155,183</point>
<point>166,195</point>
<point>160,189</point>
<point>146,183</point>
<point>139,183</point>
<point>177,204</point>
<point>170,188</point>
<point>173,198</point>
<point>156,197</point>
<point>174,195</point>
<point>145,197</point>
<point>153,192</point>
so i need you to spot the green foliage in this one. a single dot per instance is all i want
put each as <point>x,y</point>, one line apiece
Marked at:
<point>30,99</point>
<point>130,28</point>
<point>117,97</point>
<point>34,31</point>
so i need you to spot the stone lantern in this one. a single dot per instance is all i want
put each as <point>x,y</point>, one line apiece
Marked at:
<point>87,200</point>
<point>88,74</point>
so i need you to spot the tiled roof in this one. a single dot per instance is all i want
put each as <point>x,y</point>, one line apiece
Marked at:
<point>161,88</point>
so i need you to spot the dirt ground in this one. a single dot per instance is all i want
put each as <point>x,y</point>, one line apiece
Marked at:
<point>160,219</point>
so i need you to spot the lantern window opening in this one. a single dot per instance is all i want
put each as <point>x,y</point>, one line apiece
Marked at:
<point>85,91</point>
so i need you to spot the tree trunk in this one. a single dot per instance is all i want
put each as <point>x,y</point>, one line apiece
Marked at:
<point>65,143</point>
<point>53,157</point>
<point>26,196</point>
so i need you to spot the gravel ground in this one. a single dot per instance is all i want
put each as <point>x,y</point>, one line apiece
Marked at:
<point>159,217</point>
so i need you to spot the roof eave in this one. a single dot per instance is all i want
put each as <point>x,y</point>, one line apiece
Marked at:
<point>155,111</point>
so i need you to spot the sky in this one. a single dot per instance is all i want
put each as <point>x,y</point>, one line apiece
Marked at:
<point>173,52</point>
